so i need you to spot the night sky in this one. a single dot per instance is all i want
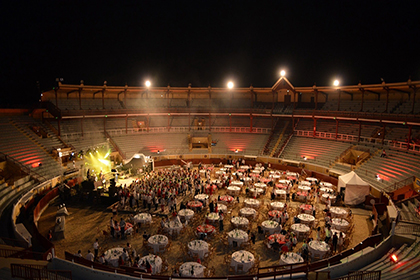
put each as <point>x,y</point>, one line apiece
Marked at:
<point>205,43</point>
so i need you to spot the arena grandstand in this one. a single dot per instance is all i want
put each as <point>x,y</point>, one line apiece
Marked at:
<point>333,158</point>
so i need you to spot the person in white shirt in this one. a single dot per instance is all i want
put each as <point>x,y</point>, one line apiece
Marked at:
<point>89,256</point>
<point>79,254</point>
<point>96,248</point>
<point>102,259</point>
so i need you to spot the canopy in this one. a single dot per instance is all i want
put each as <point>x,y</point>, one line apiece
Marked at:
<point>356,188</point>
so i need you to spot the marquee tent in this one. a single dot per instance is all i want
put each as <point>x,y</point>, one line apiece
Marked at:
<point>355,188</point>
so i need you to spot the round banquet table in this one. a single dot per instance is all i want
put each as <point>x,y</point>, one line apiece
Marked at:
<point>318,248</point>
<point>244,167</point>
<point>239,173</point>
<point>250,202</point>
<point>311,179</point>
<point>290,258</point>
<point>236,183</point>
<point>281,193</point>
<point>213,217</point>
<point>112,256</point>
<point>155,263</point>
<point>339,224</point>
<point>300,229</point>
<point>158,243</point>
<point>306,219</point>
<point>302,195</point>
<point>217,182</point>
<point>260,185</point>
<point>277,205</point>
<point>203,173</point>
<point>186,214</point>
<point>306,208</point>
<point>248,212</point>
<point>326,190</point>
<point>256,191</point>
<point>228,166</point>
<point>293,174</point>
<point>143,218</point>
<point>305,183</point>
<point>324,198</point>
<point>219,173</point>
<point>242,259</point>
<point>304,188</point>
<point>275,214</point>
<point>256,171</point>
<point>237,235</point>
<point>270,226</point>
<point>201,197</point>
<point>265,180</point>
<point>326,184</point>
<point>226,199</point>
<point>247,180</point>
<point>234,190</point>
<point>173,226</point>
<point>195,204</point>
<point>209,229</point>
<point>276,237</point>
<point>337,212</point>
<point>275,177</point>
<point>192,269</point>
<point>240,222</point>
<point>221,207</point>
<point>198,247</point>
<point>284,181</point>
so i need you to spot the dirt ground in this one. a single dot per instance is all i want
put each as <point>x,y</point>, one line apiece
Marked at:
<point>87,222</point>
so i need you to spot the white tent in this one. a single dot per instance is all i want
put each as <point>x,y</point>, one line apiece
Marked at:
<point>356,188</point>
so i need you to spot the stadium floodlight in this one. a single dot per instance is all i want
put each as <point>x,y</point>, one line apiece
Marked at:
<point>336,83</point>
<point>230,85</point>
<point>148,83</point>
<point>282,73</point>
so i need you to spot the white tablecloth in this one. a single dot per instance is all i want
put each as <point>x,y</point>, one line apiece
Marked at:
<point>198,247</point>
<point>300,228</point>
<point>326,184</point>
<point>304,183</point>
<point>244,167</point>
<point>174,225</point>
<point>277,205</point>
<point>270,226</point>
<point>324,198</point>
<point>242,258</point>
<point>213,217</point>
<point>228,166</point>
<point>233,190</point>
<point>318,248</point>
<point>248,212</point>
<point>236,183</point>
<point>311,179</point>
<point>143,218</point>
<point>290,258</point>
<point>284,182</point>
<point>340,224</point>
<point>304,188</point>
<point>187,214</point>
<point>157,241</point>
<point>112,256</point>
<point>256,171</point>
<point>237,235</point>
<point>256,191</point>
<point>250,202</point>
<point>221,207</point>
<point>192,269</point>
<point>306,218</point>
<point>337,212</point>
<point>155,262</point>
<point>280,192</point>
<point>240,222</point>
<point>201,197</point>
<point>260,185</point>
<point>326,190</point>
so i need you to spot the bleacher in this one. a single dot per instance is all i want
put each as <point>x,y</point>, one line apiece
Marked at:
<point>316,151</point>
<point>252,143</point>
<point>395,167</point>
<point>21,143</point>
<point>408,209</point>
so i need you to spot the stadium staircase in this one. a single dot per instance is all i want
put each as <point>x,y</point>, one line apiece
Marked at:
<point>280,139</point>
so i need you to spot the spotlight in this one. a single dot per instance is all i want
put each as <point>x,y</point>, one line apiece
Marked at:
<point>394,258</point>
<point>236,151</point>
<point>282,73</point>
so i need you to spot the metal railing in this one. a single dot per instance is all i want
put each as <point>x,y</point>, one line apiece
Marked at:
<point>38,272</point>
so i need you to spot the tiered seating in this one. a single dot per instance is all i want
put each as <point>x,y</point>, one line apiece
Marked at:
<point>370,106</point>
<point>317,151</point>
<point>305,124</point>
<point>251,143</point>
<point>406,107</point>
<point>30,153</point>
<point>261,122</point>
<point>68,104</point>
<point>408,210</point>
<point>407,266</point>
<point>394,168</point>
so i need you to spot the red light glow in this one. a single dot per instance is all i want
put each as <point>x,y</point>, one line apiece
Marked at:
<point>394,258</point>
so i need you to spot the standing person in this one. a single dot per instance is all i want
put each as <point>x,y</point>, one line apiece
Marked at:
<point>122,226</point>
<point>335,241</point>
<point>112,227</point>
<point>327,234</point>
<point>220,221</point>
<point>253,238</point>
<point>96,249</point>
<point>340,241</point>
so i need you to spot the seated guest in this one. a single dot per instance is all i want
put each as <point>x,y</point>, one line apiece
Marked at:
<point>90,256</point>
<point>78,254</point>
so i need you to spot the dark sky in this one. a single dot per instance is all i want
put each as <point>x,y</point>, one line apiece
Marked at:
<point>205,42</point>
